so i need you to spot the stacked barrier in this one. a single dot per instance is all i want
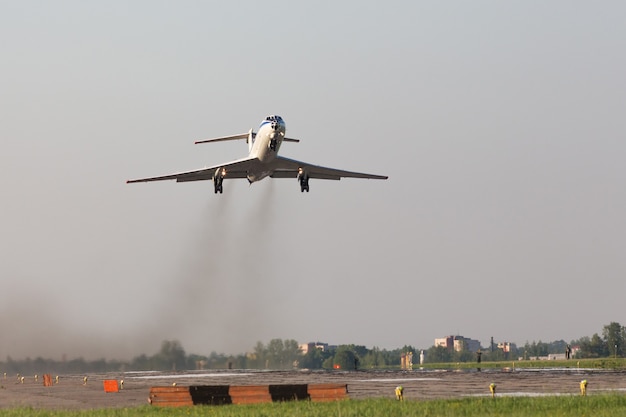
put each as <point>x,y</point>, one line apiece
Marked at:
<point>327,392</point>
<point>170,396</point>
<point>244,394</point>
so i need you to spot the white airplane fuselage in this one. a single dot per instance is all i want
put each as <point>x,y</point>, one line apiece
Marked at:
<point>265,144</point>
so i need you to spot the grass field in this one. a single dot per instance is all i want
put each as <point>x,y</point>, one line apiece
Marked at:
<point>554,406</point>
<point>602,363</point>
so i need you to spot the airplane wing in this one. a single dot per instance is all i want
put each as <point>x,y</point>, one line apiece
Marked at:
<point>280,167</point>
<point>289,168</point>
<point>234,169</point>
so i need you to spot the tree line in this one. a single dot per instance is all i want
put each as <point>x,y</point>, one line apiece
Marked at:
<point>286,354</point>
<point>609,344</point>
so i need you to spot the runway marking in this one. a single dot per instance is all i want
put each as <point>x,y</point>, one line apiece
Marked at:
<point>397,379</point>
<point>172,376</point>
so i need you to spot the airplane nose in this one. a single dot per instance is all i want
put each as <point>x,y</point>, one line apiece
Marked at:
<point>275,126</point>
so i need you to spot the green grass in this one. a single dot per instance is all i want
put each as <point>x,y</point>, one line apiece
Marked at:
<point>602,363</point>
<point>557,406</point>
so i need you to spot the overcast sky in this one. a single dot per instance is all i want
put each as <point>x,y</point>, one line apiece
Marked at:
<point>501,125</point>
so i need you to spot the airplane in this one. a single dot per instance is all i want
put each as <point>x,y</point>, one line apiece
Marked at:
<point>262,161</point>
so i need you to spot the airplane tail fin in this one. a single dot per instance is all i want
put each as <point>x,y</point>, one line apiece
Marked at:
<point>249,137</point>
<point>224,138</point>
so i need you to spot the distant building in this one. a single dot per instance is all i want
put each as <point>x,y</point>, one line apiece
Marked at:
<point>505,346</point>
<point>458,343</point>
<point>308,347</point>
<point>470,345</point>
<point>446,342</point>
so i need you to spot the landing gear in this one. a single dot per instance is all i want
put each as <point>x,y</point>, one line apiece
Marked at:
<point>217,183</point>
<point>304,181</point>
<point>272,145</point>
<point>218,179</point>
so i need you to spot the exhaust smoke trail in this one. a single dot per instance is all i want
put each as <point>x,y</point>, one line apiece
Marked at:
<point>217,293</point>
<point>220,296</point>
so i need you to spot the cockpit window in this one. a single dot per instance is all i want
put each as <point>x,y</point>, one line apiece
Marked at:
<point>274,118</point>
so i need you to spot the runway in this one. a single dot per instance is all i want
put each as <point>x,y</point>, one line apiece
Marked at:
<point>71,393</point>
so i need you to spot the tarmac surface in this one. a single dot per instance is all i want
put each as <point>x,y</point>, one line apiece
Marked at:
<point>72,393</point>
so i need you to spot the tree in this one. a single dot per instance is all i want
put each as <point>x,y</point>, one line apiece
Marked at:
<point>275,350</point>
<point>345,358</point>
<point>359,350</point>
<point>374,358</point>
<point>259,355</point>
<point>558,346</point>
<point>171,356</point>
<point>438,354</point>
<point>614,336</point>
<point>593,347</point>
<point>278,354</point>
<point>291,352</point>
<point>495,356</point>
<point>464,356</point>
<point>536,349</point>
<point>314,359</point>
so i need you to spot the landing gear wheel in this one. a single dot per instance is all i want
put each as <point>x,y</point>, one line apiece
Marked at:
<point>218,179</point>
<point>217,183</point>
<point>304,184</point>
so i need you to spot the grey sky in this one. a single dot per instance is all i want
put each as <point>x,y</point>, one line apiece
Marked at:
<point>500,124</point>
